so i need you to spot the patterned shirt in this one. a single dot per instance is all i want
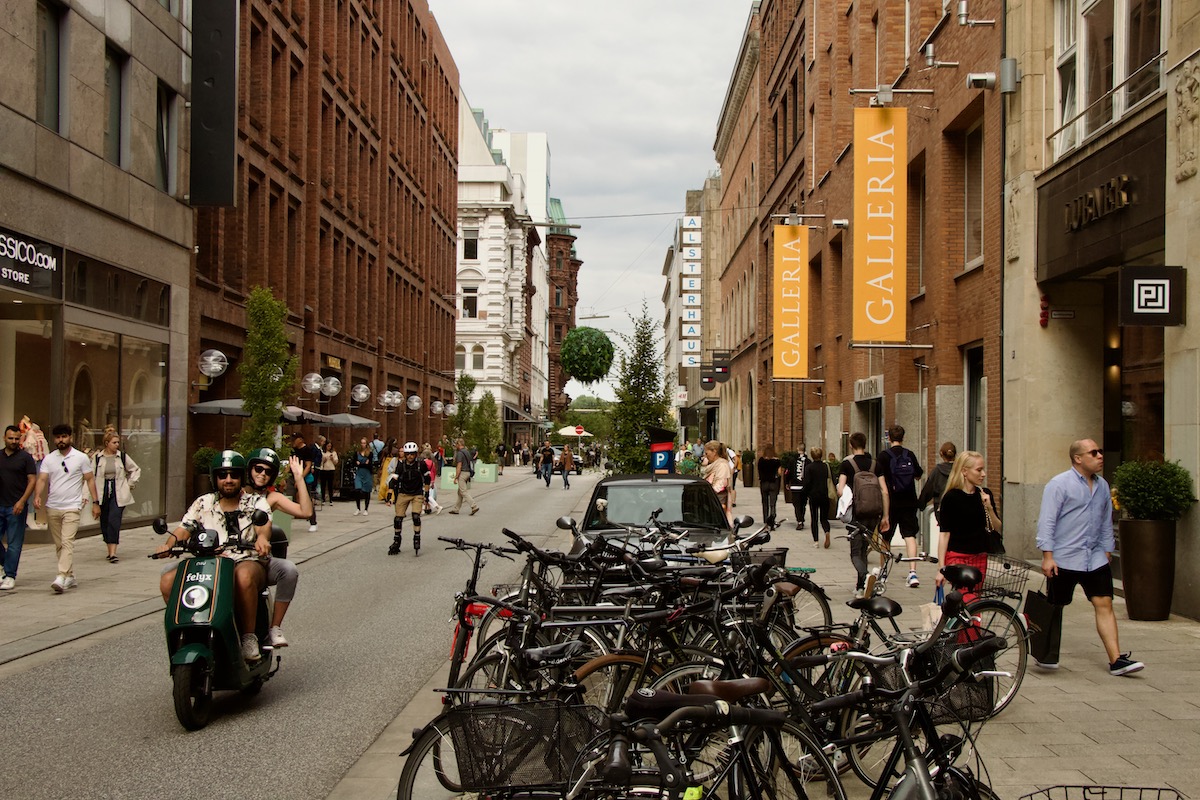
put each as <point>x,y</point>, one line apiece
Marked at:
<point>206,510</point>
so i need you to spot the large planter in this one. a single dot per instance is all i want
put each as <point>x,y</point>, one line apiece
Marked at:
<point>1148,567</point>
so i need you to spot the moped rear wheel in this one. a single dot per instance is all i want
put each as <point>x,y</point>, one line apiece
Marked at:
<point>193,696</point>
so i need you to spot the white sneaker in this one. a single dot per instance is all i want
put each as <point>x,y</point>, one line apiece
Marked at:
<point>859,594</point>
<point>58,584</point>
<point>312,528</point>
<point>913,580</point>
<point>69,582</point>
<point>364,512</point>
<point>357,511</point>
<point>250,647</point>
<point>275,637</point>
<point>8,583</point>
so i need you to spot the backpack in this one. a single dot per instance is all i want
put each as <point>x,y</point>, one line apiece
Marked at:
<point>868,497</point>
<point>903,472</point>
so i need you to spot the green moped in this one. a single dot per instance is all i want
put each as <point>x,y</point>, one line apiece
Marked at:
<point>202,636</point>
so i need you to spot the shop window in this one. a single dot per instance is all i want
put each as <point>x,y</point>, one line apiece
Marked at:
<point>49,64</point>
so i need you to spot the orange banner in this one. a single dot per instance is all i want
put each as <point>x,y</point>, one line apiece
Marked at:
<point>791,302</point>
<point>880,225</point>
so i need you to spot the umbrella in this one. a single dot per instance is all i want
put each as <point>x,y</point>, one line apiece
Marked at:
<point>350,421</point>
<point>569,430</point>
<point>233,407</point>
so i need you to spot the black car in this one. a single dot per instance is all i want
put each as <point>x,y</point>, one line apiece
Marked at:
<point>686,502</point>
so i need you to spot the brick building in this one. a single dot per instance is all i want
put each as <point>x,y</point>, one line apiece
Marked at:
<point>346,207</point>
<point>564,296</point>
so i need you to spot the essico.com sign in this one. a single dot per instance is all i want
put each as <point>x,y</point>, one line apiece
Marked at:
<point>29,264</point>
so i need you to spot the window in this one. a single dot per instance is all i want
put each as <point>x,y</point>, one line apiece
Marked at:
<point>164,140</point>
<point>477,358</point>
<point>973,196</point>
<point>558,296</point>
<point>470,307</point>
<point>49,63</point>
<point>917,181</point>
<point>558,334</point>
<point>976,401</point>
<point>114,103</point>
<point>470,244</point>
<point>1101,45</point>
<point>460,358</point>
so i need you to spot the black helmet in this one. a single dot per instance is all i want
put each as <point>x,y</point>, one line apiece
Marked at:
<point>265,455</point>
<point>227,459</point>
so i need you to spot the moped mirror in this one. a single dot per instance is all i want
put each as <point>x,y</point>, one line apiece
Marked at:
<point>567,524</point>
<point>742,522</point>
<point>259,517</point>
<point>160,526</point>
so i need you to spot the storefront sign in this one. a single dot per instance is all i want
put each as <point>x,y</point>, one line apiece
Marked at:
<point>1152,296</point>
<point>880,224</point>
<point>30,265</point>
<point>790,314</point>
<point>869,388</point>
<point>1097,203</point>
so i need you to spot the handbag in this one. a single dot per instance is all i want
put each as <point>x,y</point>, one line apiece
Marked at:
<point>931,613</point>
<point>995,539</point>
<point>1045,627</point>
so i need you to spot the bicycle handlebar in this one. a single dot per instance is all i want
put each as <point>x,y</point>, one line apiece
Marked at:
<point>462,544</point>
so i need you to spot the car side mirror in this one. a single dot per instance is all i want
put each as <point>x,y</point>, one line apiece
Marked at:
<point>160,526</point>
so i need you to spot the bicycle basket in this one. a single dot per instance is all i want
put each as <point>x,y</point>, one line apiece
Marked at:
<point>962,699</point>
<point>1104,793</point>
<point>519,744</point>
<point>1004,577</point>
<point>740,559</point>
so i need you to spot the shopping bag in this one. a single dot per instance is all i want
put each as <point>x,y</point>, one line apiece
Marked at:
<point>931,613</point>
<point>1045,627</point>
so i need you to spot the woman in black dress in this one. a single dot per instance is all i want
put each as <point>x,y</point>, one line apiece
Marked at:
<point>769,469</point>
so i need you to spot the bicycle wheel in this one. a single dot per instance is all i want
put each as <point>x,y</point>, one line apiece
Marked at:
<point>495,671</point>
<point>1003,620</point>
<point>808,606</point>
<point>957,784</point>
<point>607,680</point>
<point>431,771</point>
<point>787,764</point>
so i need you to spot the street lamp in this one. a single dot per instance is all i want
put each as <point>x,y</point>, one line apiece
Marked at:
<point>413,403</point>
<point>359,395</point>
<point>212,364</point>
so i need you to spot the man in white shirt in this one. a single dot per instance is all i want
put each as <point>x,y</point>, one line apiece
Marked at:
<point>60,490</point>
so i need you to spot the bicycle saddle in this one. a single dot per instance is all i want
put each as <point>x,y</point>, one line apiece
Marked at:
<point>877,607</point>
<point>733,690</point>
<point>657,705</point>
<point>554,654</point>
<point>962,576</point>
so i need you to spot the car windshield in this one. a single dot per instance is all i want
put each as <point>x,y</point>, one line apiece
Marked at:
<point>688,504</point>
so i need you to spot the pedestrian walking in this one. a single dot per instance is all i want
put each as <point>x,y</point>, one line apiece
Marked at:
<point>546,462</point>
<point>900,471</point>
<point>797,472</point>
<point>364,477</point>
<point>501,457</point>
<point>310,457</point>
<point>464,471</point>
<point>715,468</point>
<point>432,506</point>
<point>735,468</point>
<point>567,462</point>
<point>769,470</point>
<point>817,479</point>
<point>968,511</point>
<point>935,484</point>
<point>64,474</point>
<point>868,501</point>
<point>329,467</point>
<point>1075,536</point>
<point>118,474</point>
<point>18,479</point>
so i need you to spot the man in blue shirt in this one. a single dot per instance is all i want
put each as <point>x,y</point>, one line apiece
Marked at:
<point>1075,536</point>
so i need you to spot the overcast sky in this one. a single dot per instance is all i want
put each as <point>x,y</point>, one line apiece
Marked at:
<point>629,92</point>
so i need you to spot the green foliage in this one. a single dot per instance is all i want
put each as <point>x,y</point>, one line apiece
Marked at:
<point>688,465</point>
<point>460,423</point>
<point>485,430</point>
<point>1153,489</point>
<point>595,415</point>
<point>202,459</point>
<point>642,401</point>
<point>268,369</point>
<point>587,354</point>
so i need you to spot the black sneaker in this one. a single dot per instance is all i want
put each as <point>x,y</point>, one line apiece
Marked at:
<point>1124,665</point>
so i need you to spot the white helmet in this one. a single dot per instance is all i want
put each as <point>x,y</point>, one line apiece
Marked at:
<point>410,447</point>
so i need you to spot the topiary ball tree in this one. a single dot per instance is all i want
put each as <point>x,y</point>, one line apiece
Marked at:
<point>587,354</point>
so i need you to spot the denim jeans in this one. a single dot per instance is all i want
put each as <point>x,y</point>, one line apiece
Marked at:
<point>547,471</point>
<point>12,529</point>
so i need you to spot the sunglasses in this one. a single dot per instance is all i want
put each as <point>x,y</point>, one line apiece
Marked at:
<point>223,474</point>
<point>64,466</point>
<point>261,469</point>
<point>1097,452</point>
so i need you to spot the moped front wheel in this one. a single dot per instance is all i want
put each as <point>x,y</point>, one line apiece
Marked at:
<point>193,695</point>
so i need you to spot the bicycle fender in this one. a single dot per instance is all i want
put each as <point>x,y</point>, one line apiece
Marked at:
<point>417,733</point>
<point>810,585</point>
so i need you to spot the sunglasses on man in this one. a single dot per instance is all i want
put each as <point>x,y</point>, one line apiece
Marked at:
<point>224,474</point>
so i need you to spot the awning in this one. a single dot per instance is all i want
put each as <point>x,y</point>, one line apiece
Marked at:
<point>350,421</point>
<point>514,414</point>
<point>233,407</point>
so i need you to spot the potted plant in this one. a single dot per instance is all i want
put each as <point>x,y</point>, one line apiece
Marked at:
<point>1152,496</point>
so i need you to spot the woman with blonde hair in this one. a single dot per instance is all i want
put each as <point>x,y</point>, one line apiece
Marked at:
<point>968,514</point>
<point>117,474</point>
<point>715,468</point>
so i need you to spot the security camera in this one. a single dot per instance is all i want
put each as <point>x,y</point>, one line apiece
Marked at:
<point>841,224</point>
<point>981,80</point>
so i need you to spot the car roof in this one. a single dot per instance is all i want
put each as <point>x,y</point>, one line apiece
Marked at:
<point>651,478</point>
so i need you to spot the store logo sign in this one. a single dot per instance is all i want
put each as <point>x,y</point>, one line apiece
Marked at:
<point>30,265</point>
<point>1152,296</point>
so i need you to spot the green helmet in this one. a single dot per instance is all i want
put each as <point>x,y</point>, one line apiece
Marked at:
<point>227,459</point>
<point>265,455</point>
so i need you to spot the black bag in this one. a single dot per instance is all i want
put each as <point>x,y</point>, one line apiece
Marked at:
<point>1045,627</point>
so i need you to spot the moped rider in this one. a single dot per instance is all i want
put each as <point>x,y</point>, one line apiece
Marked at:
<point>409,482</point>
<point>229,512</point>
<point>263,465</point>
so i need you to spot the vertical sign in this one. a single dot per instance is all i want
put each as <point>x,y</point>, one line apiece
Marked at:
<point>880,224</point>
<point>791,302</point>
<point>690,288</point>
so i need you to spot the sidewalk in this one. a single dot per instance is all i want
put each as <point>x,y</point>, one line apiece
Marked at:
<point>1076,725</point>
<point>33,618</point>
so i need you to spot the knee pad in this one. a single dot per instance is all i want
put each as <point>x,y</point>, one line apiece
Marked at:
<point>416,515</point>
<point>397,523</point>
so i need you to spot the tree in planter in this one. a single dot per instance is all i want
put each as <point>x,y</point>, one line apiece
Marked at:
<point>267,369</point>
<point>484,430</point>
<point>642,399</point>
<point>460,423</point>
<point>586,354</point>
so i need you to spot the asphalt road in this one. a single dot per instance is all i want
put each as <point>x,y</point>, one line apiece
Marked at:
<point>367,632</point>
